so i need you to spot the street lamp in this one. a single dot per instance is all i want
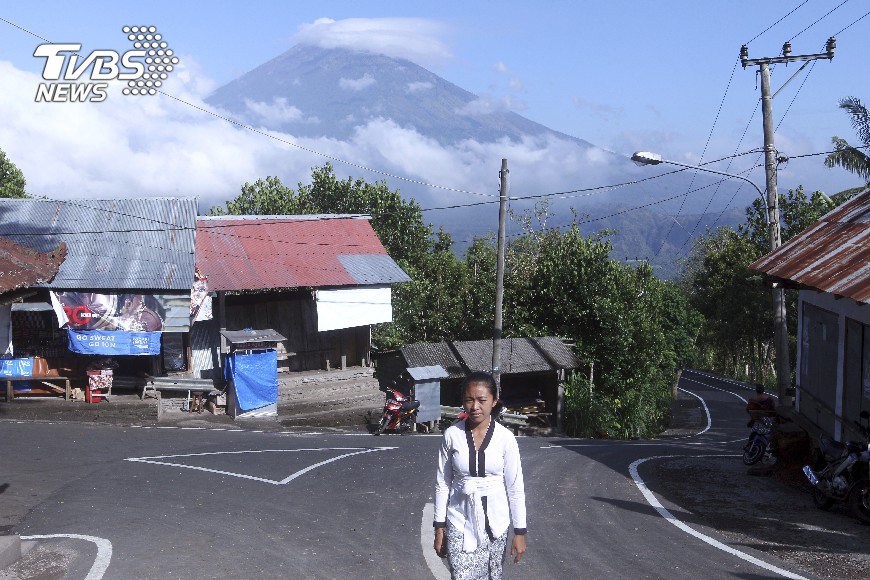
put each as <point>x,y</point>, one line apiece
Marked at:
<point>648,158</point>
<point>783,368</point>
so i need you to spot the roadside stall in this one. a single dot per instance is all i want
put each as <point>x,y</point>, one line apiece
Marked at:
<point>251,373</point>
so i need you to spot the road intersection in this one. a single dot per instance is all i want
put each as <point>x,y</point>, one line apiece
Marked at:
<point>223,503</point>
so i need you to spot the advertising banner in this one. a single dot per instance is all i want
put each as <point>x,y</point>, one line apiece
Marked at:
<point>109,342</point>
<point>116,312</point>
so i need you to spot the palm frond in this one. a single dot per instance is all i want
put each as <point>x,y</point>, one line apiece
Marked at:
<point>849,158</point>
<point>860,117</point>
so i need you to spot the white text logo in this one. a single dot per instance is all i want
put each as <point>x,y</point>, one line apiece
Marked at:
<point>74,77</point>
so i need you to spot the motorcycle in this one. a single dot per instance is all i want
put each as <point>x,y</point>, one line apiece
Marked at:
<point>400,413</point>
<point>845,476</point>
<point>758,448</point>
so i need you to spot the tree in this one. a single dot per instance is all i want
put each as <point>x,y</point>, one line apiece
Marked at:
<point>797,212</point>
<point>846,156</point>
<point>12,180</point>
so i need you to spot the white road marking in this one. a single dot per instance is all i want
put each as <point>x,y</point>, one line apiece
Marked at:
<point>706,411</point>
<point>104,551</point>
<point>732,381</point>
<point>654,502</point>
<point>437,565</point>
<point>717,389</point>
<point>286,480</point>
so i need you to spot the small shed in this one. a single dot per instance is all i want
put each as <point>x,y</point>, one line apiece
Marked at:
<point>427,390</point>
<point>251,372</point>
<point>532,368</point>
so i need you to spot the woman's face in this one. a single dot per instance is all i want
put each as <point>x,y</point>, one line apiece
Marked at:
<point>478,402</point>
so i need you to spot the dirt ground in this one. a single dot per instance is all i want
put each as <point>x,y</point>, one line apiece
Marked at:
<point>770,512</point>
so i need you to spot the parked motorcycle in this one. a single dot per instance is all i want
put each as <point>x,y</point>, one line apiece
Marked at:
<point>758,448</point>
<point>400,412</point>
<point>845,475</point>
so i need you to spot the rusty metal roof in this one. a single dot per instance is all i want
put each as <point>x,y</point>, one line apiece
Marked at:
<point>135,243</point>
<point>832,255</point>
<point>262,252</point>
<point>21,267</point>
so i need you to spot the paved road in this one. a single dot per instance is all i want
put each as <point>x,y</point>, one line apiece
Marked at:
<point>132,502</point>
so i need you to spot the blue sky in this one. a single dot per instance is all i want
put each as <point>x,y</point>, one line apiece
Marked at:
<point>621,75</point>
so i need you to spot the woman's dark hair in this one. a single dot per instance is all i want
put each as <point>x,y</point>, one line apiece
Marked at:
<point>488,380</point>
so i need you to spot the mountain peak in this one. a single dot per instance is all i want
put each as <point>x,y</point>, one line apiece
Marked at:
<point>313,92</point>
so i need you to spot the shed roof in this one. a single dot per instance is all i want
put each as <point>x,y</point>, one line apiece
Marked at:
<point>21,266</point>
<point>518,355</point>
<point>832,255</point>
<point>262,252</point>
<point>144,243</point>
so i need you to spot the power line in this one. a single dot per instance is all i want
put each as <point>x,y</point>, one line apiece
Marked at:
<point>777,22</point>
<point>852,24</point>
<point>828,13</point>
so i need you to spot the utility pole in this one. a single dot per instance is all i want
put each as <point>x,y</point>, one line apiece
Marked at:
<point>499,276</point>
<point>780,322</point>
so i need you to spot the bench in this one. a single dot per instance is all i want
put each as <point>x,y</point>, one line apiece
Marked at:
<point>191,386</point>
<point>44,379</point>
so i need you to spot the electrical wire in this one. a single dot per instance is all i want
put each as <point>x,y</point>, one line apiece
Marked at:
<point>852,24</point>
<point>777,22</point>
<point>828,13</point>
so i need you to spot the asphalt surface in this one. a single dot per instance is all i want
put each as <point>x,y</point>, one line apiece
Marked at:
<point>216,501</point>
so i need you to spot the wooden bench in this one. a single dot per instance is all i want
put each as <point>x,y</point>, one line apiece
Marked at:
<point>190,386</point>
<point>45,380</point>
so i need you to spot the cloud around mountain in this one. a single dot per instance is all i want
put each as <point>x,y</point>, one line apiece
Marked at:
<point>414,39</point>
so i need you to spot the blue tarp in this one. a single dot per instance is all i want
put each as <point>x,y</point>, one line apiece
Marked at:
<point>16,367</point>
<point>114,342</point>
<point>254,377</point>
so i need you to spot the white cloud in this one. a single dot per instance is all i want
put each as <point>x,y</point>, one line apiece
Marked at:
<point>488,104</point>
<point>415,39</point>
<point>501,67</point>
<point>277,112</point>
<point>356,84</point>
<point>419,86</point>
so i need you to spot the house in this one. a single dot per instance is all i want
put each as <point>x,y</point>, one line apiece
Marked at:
<point>123,289</point>
<point>829,265</point>
<point>319,280</point>
<point>532,369</point>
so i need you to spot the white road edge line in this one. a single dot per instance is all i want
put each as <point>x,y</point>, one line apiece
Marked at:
<point>654,502</point>
<point>706,411</point>
<point>717,388</point>
<point>104,551</point>
<point>437,565</point>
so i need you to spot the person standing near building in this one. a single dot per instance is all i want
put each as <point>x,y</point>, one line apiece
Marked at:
<point>479,489</point>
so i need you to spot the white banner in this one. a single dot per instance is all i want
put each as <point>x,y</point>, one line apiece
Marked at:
<point>355,307</point>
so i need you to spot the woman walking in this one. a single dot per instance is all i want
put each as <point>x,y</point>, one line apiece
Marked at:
<point>479,488</point>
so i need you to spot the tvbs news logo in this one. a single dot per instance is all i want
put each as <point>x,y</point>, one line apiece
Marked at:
<point>144,68</point>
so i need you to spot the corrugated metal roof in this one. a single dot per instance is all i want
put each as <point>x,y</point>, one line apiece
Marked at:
<point>144,243</point>
<point>832,255</point>
<point>261,252</point>
<point>21,266</point>
<point>518,355</point>
<point>432,354</point>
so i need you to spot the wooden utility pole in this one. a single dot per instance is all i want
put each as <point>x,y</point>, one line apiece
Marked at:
<point>499,275</point>
<point>780,324</point>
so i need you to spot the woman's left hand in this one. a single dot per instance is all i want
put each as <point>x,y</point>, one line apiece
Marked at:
<point>518,548</point>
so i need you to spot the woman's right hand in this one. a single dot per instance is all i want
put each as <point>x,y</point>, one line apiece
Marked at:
<point>440,542</point>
